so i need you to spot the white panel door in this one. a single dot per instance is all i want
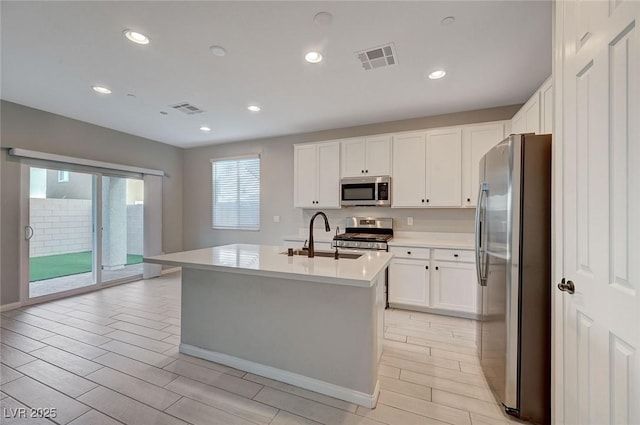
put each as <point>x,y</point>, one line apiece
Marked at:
<point>597,113</point>
<point>353,164</point>
<point>409,282</point>
<point>305,164</point>
<point>328,175</point>
<point>444,159</point>
<point>409,170</point>
<point>378,156</point>
<point>476,142</point>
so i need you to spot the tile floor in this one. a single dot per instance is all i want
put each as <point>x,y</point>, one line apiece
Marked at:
<point>111,357</point>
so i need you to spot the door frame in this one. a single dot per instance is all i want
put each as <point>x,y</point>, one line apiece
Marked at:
<point>25,187</point>
<point>557,217</point>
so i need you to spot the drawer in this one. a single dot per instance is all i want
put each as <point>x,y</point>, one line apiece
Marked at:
<point>461,255</point>
<point>410,252</point>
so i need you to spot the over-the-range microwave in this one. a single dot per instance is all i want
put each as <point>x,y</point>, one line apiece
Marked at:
<point>365,191</point>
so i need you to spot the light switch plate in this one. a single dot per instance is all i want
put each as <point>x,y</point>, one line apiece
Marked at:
<point>276,219</point>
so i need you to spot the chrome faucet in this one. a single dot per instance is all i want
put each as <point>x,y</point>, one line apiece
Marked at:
<point>311,252</point>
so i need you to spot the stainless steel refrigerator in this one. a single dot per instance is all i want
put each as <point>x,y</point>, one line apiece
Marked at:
<point>513,253</point>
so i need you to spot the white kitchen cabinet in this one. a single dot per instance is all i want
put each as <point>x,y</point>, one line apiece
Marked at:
<point>454,286</point>
<point>427,168</point>
<point>444,153</point>
<point>546,107</point>
<point>409,282</point>
<point>536,115</point>
<point>316,182</point>
<point>409,169</point>
<point>367,156</point>
<point>434,280</point>
<point>477,140</point>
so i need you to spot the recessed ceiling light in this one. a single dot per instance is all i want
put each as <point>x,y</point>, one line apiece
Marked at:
<point>164,113</point>
<point>313,57</point>
<point>218,51</point>
<point>254,108</point>
<point>136,37</point>
<point>435,75</point>
<point>448,20</point>
<point>205,129</point>
<point>101,90</point>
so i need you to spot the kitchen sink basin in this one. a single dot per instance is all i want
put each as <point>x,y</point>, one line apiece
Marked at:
<point>328,254</point>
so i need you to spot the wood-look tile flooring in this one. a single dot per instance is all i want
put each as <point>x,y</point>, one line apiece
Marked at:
<point>111,357</point>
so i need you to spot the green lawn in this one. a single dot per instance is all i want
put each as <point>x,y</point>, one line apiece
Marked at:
<point>51,266</point>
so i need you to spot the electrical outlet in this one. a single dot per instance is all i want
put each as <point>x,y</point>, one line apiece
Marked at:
<point>276,219</point>
<point>410,221</point>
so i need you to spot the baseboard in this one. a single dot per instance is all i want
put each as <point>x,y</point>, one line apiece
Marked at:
<point>322,387</point>
<point>462,314</point>
<point>171,270</point>
<point>10,306</point>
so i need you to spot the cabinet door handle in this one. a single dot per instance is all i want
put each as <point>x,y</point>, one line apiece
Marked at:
<point>455,255</point>
<point>423,201</point>
<point>362,171</point>
<point>468,199</point>
<point>408,252</point>
<point>366,171</point>
<point>436,267</point>
<point>426,267</point>
<point>427,201</point>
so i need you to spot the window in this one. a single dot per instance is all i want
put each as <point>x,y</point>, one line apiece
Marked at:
<point>63,176</point>
<point>236,193</point>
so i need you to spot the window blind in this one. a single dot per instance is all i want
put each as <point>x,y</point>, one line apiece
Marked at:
<point>236,193</point>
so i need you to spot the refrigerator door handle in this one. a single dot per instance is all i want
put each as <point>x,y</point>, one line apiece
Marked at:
<point>482,190</point>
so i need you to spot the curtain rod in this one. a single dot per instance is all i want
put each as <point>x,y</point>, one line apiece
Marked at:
<point>25,153</point>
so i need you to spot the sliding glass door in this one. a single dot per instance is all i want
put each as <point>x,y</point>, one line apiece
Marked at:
<point>61,231</point>
<point>122,227</point>
<point>66,252</point>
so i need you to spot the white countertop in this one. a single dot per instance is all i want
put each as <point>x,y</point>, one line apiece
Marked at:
<point>267,260</point>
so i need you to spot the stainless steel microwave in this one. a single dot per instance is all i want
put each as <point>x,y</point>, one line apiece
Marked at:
<point>365,191</point>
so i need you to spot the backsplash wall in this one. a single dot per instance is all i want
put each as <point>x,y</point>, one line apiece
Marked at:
<point>444,220</point>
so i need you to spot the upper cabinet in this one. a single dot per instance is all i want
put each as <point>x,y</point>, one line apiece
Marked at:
<point>410,171</point>
<point>477,140</point>
<point>546,107</point>
<point>367,156</point>
<point>427,169</point>
<point>536,115</point>
<point>316,181</point>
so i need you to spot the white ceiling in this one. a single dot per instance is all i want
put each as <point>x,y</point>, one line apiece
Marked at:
<point>496,53</point>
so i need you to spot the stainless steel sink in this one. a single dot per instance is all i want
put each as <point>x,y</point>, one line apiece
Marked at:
<point>328,254</point>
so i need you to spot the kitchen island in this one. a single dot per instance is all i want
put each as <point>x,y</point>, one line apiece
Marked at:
<point>316,323</point>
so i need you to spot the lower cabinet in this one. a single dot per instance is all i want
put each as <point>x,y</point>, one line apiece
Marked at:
<point>442,281</point>
<point>454,286</point>
<point>409,282</point>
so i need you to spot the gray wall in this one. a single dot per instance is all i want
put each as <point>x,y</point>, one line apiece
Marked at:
<point>277,185</point>
<point>28,128</point>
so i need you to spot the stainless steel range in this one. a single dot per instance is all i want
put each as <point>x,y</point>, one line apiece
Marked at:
<point>365,233</point>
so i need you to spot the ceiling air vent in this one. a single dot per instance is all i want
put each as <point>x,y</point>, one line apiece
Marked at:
<point>187,108</point>
<point>378,57</point>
